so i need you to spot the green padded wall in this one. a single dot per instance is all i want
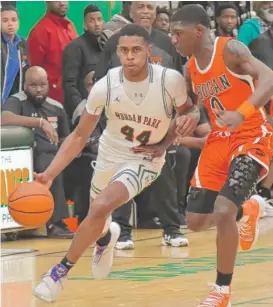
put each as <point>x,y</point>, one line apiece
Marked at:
<point>31,11</point>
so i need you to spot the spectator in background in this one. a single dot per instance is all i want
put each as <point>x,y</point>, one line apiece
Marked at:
<point>163,18</point>
<point>47,41</point>
<point>14,59</point>
<point>253,27</point>
<point>118,21</point>
<point>226,16</point>
<point>80,57</point>
<point>32,108</point>
<point>82,168</point>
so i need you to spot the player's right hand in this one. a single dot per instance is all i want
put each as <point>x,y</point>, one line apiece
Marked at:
<point>43,179</point>
<point>50,132</point>
<point>185,125</point>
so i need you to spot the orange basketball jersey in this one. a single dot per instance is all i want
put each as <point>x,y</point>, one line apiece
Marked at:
<point>221,89</point>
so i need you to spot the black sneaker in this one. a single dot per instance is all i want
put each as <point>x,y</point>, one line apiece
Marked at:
<point>125,242</point>
<point>57,232</point>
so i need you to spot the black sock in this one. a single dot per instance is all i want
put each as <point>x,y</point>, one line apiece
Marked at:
<point>105,240</point>
<point>239,214</point>
<point>223,279</point>
<point>264,192</point>
<point>69,265</point>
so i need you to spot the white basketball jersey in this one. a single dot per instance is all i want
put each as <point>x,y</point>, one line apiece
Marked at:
<point>130,124</point>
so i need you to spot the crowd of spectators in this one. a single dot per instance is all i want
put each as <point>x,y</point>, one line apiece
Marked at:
<point>45,81</point>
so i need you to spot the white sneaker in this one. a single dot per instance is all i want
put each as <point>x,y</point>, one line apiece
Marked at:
<point>103,255</point>
<point>174,240</point>
<point>269,207</point>
<point>51,284</point>
<point>125,245</point>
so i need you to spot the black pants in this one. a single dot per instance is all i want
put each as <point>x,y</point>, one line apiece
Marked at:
<point>83,172</point>
<point>41,162</point>
<point>162,197</point>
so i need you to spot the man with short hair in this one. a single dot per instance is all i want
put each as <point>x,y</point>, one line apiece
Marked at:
<point>226,16</point>
<point>163,19</point>
<point>80,57</point>
<point>46,43</point>
<point>34,109</point>
<point>14,58</point>
<point>221,74</point>
<point>138,99</point>
<point>143,13</point>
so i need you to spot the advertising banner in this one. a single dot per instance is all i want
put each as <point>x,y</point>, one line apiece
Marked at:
<point>16,167</point>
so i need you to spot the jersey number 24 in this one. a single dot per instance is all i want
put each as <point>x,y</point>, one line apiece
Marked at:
<point>143,138</point>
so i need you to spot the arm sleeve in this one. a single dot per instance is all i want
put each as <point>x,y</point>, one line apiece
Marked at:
<point>72,58</point>
<point>63,127</point>
<point>37,42</point>
<point>13,105</point>
<point>175,87</point>
<point>97,97</point>
<point>246,34</point>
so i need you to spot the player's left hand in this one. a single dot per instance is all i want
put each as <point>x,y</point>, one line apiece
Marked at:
<point>152,151</point>
<point>229,119</point>
<point>185,125</point>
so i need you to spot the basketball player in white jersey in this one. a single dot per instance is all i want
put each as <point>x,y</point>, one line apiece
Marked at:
<point>138,99</point>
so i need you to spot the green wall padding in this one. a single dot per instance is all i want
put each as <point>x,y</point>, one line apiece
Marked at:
<point>31,11</point>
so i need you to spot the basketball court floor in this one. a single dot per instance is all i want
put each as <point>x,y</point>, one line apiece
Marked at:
<point>149,276</point>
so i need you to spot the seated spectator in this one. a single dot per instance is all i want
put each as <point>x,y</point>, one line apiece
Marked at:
<point>80,57</point>
<point>47,41</point>
<point>34,109</point>
<point>226,16</point>
<point>253,27</point>
<point>81,168</point>
<point>162,21</point>
<point>14,59</point>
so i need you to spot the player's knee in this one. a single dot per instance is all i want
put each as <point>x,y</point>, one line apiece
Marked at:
<point>195,222</point>
<point>99,209</point>
<point>225,211</point>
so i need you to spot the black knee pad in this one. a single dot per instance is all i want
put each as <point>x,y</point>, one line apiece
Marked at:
<point>201,200</point>
<point>242,179</point>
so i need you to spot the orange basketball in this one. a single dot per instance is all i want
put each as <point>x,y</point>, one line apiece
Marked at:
<point>31,204</point>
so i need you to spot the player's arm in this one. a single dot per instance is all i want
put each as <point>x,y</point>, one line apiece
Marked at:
<point>239,60</point>
<point>186,118</point>
<point>189,87</point>
<point>198,140</point>
<point>76,141</point>
<point>187,113</point>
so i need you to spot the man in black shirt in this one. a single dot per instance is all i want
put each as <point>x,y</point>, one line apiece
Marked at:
<point>47,118</point>
<point>80,57</point>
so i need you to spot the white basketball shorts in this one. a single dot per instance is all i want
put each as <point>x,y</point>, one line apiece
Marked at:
<point>136,175</point>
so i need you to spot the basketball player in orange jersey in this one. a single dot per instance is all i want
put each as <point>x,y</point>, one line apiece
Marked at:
<point>220,74</point>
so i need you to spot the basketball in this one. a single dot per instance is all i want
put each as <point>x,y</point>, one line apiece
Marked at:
<point>31,204</point>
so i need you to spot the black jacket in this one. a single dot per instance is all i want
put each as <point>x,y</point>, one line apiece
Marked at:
<point>163,53</point>
<point>18,82</point>
<point>262,48</point>
<point>79,58</point>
